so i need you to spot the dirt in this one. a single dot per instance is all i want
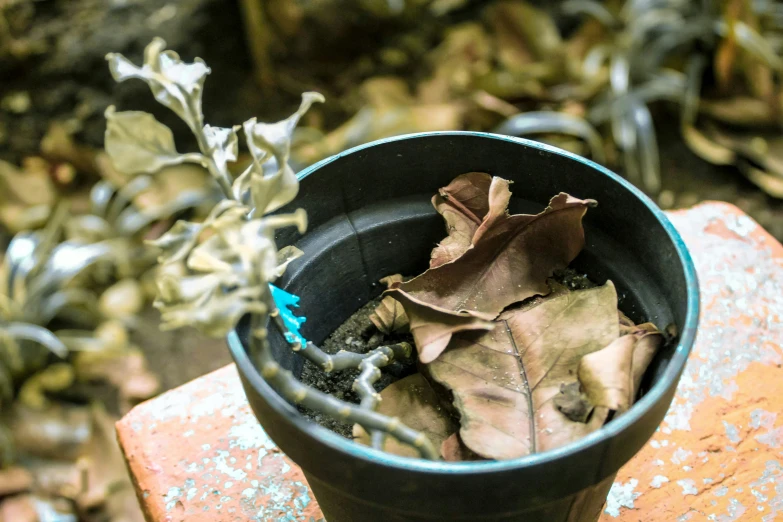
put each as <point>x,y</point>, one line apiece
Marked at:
<point>357,334</point>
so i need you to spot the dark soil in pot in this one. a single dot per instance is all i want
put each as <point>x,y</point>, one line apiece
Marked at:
<point>357,334</point>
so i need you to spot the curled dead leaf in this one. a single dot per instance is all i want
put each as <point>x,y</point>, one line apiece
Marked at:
<point>510,260</point>
<point>416,404</point>
<point>611,376</point>
<point>432,327</point>
<point>454,450</point>
<point>389,316</point>
<point>470,205</point>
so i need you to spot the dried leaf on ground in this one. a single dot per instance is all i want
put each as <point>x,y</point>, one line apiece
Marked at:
<point>389,316</point>
<point>528,39</point>
<point>57,432</point>
<point>125,368</point>
<point>510,261</point>
<point>108,484</point>
<point>505,381</point>
<point>14,480</point>
<point>415,403</point>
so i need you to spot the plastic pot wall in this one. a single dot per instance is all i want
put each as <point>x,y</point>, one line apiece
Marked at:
<point>370,216</point>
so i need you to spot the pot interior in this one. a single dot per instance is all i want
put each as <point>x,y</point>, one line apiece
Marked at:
<point>370,216</point>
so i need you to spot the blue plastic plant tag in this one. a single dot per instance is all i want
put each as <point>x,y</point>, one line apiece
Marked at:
<point>284,300</point>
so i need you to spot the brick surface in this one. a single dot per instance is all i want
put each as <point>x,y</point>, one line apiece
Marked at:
<point>196,453</point>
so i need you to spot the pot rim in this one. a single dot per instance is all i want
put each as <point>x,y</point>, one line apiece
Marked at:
<point>634,414</point>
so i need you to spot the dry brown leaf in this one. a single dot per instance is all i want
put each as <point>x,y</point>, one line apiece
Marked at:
<point>525,35</point>
<point>57,432</point>
<point>14,480</point>
<point>470,205</point>
<point>510,261</point>
<point>389,316</point>
<point>432,326</point>
<point>126,369</point>
<point>454,450</point>
<point>505,381</point>
<point>611,376</point>
<point>415,403</point>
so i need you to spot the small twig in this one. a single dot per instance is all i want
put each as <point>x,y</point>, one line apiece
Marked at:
<point>290,388</point>
<point>368,363</point>
<point>342,360</point>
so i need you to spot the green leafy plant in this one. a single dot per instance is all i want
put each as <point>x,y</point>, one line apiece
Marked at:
<point>219,270</point>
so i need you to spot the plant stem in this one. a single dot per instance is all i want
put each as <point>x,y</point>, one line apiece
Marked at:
<point>196,124</point>
<point>220,175</point>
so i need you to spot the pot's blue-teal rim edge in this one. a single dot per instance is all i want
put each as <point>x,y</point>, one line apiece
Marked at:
<point>673,369</point>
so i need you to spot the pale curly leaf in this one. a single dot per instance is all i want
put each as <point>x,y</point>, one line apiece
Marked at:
<point>219,315</point>
<point>211,256</point>
<point>256,243</point>
<point>266,187</point>
<point>269,193</point>
<point>223,144</point>
<point>195,290</point>
<point>270,180</point>
<point>137,143</point>
<point>188,76</point>
<point>284,257</point>
<point>123,69</point>
<point>177,243</point>
<point>174,83</point>
<point>275,138</point>
<point>240,188</point>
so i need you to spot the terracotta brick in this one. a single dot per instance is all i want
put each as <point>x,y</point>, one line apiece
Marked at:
<point>197,453</point>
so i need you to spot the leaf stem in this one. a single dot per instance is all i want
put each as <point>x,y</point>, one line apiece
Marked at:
<point>220,175</point>
<point>196,124</point>
<point>528,392</point>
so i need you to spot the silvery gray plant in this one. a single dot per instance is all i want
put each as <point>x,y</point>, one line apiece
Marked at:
<point>217,271</point>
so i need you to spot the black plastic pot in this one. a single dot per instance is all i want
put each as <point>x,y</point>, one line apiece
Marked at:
<point>370,216</point>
